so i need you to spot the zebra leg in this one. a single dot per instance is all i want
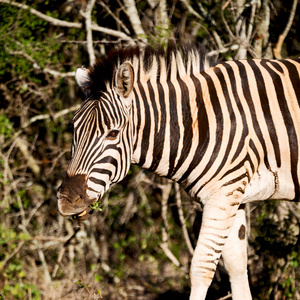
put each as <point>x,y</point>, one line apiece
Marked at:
<point>218,218</point>
<point>235,257</point>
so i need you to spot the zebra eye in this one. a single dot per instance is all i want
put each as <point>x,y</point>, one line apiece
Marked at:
<point>112,134</point>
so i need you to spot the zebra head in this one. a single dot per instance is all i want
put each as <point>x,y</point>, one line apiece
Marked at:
<point>101,148</point>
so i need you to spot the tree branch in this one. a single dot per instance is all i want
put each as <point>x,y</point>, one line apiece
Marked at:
<point>169,254</point>
<point>277,49</point>
<point>89,33</point>
<point>38,67</point>
<point>58,22</point>
<point>224,5</point>
<point>182,220</point>
<point>191,10</point>
<point>114,17</point>
<point>48,116</point>
<point>262,32</point>
<point>41,117</point>
<point>134,19</point>
<point>112,32</point>
<point>42,16</point>
<point>214,34</point>
<point>7,258</point>
<point>251,21</point>
<point>62,251</point>
<point>32,164</point>
<point>226,297</point>
<point>165,193</point>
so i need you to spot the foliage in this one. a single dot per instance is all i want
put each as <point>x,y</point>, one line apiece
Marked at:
<point>6,127</point>
<point>117,253</point>
<point>276,244</point>
<point>13,271</point>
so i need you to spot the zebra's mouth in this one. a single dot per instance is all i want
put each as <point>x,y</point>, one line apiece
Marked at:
<point>82,216</point>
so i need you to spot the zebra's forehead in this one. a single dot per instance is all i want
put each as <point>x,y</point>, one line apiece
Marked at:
<point>86,107</point>
<point>106,112</point>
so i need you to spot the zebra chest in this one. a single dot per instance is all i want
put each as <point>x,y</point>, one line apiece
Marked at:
<point>269,184</point>
<point>262,186</point>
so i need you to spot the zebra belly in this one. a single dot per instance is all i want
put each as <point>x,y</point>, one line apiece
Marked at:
<point>268,184</point>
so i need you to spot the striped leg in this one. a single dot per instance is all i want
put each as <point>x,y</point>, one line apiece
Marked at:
<point>218,219</point>
<point>235,258</point>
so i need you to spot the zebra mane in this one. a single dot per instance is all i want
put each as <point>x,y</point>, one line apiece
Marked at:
<point>147,62</point>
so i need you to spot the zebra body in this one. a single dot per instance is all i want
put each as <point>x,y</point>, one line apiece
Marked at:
<point>228,134</point>
<point>269,172</point>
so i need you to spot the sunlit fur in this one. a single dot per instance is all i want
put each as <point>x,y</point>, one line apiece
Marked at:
<point>229,134</point>
<point>104,110</point>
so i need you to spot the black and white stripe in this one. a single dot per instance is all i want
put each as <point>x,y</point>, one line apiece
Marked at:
<point>228,133</point>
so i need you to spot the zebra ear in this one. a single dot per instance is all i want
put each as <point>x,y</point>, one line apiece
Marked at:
<point>124,79</point>
<point>82,77</point>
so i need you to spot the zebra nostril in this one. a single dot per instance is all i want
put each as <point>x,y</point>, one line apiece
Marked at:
<point>78,198</point>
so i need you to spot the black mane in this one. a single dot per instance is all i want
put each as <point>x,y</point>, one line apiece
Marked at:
<point>102,73</point>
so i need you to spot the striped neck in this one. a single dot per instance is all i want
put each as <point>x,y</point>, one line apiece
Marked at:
<point>170,126</point>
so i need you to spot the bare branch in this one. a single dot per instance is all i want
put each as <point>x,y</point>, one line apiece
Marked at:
<point>161,19</point>
<point>226,297</point>
<point>262,33</point>
<point>104,41</point>
<point>114,16</point>
<point>251,21</point>
<point>38,67</point>
<point>129,210</point>
<point>218,41</point>
<point>165,191</point>
<point>169,254</point>
<point>191,10</point>
<point>224,5</point>
<point>47,276</point>
<point>62,251</point>
<point>243,42</point>
<point>182,220</point>
<point>112,32</point>
<point>215,35</point>
<point>44,17</point>
<point>161,14</point>
<point>48,116</point>
<point>23,146</point>
<point>134,19</point>
<point>56,73</point>
<point>277,49</point>
<point>32,164</point>
<point>58,22</point>
<point>89,34</point>
<point>5,261</point>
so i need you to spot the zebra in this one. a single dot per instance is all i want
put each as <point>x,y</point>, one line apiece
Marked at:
<point>228,132</point>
